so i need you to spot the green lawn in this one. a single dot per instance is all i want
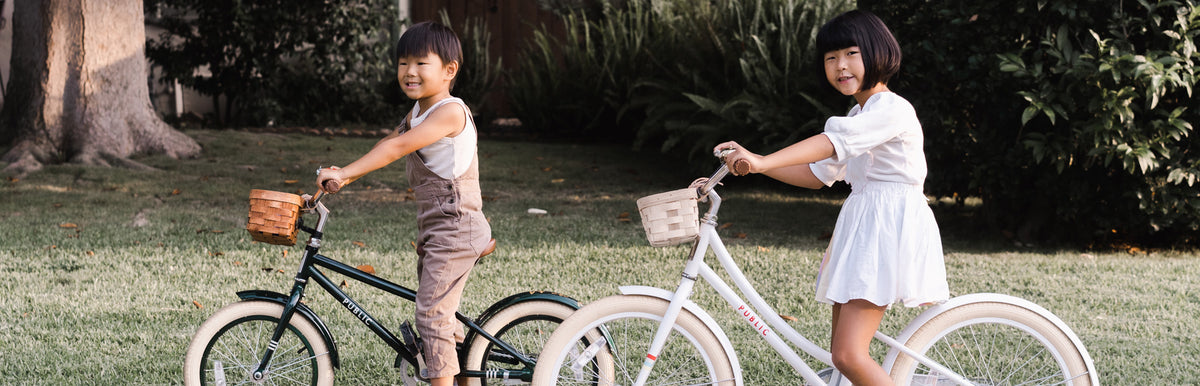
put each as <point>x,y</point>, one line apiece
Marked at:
<point>105,273</point>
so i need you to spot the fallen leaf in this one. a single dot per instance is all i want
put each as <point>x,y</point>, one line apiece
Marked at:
<point>68,225</point>
<point>725,226</point>
<point>344,284</point>
<point>366,268</point>
<point>58,205</point>
<point>413,243</point>
<point>740,235</point>
<point>788,318</point>
<point>13,179</point>
<point>90,253</point>
<point>197,304</point>
<point>289,182</point>
<point>763,249</point>
<point>360,244</point>
<point>285,253</point>
<point>176,192</point>
<point>546,169</point>
<point>217,231</point>
<point>557,181</point>
<point>237,263</point>
<point>217,253</point>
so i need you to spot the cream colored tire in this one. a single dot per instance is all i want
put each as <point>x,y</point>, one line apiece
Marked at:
<point>692,355</point>
<point>230,344</point>
<point>993,343</point>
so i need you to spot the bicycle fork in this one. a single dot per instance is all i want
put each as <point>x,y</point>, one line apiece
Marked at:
<point>682,293</point>
<point>289,310</point>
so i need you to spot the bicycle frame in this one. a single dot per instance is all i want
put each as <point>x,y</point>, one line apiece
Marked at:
<point>309,270</point>
<point>756,311</point>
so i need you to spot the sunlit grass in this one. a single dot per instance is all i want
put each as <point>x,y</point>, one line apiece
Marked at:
<point>105,273</point>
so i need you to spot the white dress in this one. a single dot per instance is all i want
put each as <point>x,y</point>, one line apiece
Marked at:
<point>885,247</point>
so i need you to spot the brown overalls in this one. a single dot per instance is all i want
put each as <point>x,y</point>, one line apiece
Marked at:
<point>452,234</point>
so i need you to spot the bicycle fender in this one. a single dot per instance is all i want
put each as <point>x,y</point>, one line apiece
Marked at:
<point>700,313</point>
<point>303,311</point>
<point>525,297</point>
<point>958,301</point>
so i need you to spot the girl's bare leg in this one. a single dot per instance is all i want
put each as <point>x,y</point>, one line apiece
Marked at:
<point>854,325</point>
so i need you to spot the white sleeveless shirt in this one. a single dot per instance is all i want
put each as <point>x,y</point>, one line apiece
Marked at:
<point>449,157</point>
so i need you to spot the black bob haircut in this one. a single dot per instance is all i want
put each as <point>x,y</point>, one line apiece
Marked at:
<point>430,37</point>
<point>879,49</point>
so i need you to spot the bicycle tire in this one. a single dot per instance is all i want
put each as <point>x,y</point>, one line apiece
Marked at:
<point>302,357</point>
<point>525,325</point>
<point>1023,347</point>
<point>692,355</point>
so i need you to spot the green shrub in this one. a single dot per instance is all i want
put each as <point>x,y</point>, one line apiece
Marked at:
<point>680,74</point>
<point>1071,119</point>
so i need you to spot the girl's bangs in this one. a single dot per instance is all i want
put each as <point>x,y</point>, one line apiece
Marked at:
<point>835,36</point>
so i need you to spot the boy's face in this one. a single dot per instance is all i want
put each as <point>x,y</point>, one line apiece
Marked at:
<point>425,76</point>
<point>844,69</point>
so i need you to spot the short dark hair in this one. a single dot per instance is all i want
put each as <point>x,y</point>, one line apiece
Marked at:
<point>880,51</point>
<point>430,37</point>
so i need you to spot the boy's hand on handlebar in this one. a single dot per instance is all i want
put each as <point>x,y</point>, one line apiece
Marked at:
<point>330,180</point>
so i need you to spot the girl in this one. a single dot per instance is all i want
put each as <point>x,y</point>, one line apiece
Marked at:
<point>437,139</point>
<point>885,246</point>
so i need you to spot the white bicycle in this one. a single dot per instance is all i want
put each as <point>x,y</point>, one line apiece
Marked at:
<point>659,337</point>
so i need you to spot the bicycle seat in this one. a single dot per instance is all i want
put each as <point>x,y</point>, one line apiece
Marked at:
<point>491,247</point>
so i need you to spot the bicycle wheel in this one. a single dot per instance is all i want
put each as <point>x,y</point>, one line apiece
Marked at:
<point>526,326</point>
<point>692,355</point>
<point>993,344</point>
<point>228,347</point>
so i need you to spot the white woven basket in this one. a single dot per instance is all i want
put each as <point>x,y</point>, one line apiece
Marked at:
<point>670,218</point>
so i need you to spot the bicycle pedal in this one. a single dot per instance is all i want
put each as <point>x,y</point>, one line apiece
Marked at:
<point>413,343</point>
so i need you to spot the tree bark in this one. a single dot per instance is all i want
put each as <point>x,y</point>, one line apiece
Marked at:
<point>78,90</point>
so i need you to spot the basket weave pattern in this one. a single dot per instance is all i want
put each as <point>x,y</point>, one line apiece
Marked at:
<point>670,218</point>
<point>273,217</point>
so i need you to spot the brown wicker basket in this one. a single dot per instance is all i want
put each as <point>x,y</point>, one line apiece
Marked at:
<point>670,218</point>
<point>273,216</point>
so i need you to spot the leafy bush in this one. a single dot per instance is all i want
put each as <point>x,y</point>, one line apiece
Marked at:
<point>679,74</point>
<point>1071,119</point>
<point>284,61</point>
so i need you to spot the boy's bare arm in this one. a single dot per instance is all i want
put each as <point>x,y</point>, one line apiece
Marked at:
<point>441,123</point>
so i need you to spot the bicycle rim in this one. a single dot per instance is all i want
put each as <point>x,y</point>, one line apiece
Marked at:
<point>526,327</point>
<point>993,344</point>
<point>229,346</point>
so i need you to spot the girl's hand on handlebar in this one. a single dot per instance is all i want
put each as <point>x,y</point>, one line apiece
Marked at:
<point>739,160</point>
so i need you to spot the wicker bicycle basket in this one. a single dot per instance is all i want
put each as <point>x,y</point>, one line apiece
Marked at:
<point>273,216</point>
<point>670,218</point>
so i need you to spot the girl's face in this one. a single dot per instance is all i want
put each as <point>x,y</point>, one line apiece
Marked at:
<point>844,69</point>
<point>426,78</point>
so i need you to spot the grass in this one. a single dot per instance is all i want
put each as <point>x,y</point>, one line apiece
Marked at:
<point>105,273</point>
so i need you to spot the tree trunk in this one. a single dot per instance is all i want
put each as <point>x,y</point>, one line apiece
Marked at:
<point>78,88</point>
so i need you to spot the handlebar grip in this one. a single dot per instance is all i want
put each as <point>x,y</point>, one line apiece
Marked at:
<point>741,167</point>
<point>331,186</point>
